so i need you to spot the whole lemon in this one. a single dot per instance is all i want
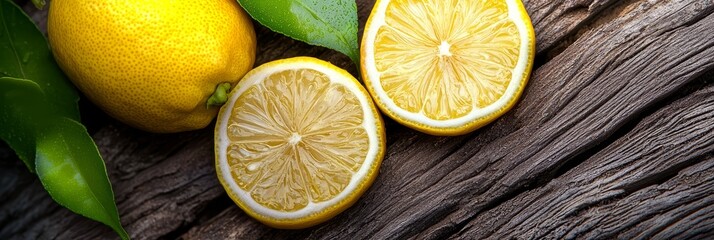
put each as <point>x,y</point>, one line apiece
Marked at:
<point>153,64</point>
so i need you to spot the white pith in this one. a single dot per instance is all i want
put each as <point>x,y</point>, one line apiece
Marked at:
<point>373,75</point>
<point>257,76</point>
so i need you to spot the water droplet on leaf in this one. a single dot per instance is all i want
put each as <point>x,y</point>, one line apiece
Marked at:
<point>26,58</point>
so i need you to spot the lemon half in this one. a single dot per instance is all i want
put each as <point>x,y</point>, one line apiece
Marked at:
<point>447,67</point>
<point>298,142</point>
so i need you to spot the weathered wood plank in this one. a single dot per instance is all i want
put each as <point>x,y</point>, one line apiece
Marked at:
<point>22,204</point>
<point>620,59</point>
<point>624,190</point>
<point>580,98</point>
<point>557,20</point>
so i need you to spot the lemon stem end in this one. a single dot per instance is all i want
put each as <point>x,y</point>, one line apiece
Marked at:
<point>220,96</point>
<point>39,4</point>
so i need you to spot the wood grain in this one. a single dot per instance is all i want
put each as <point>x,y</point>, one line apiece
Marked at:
<point>640,186</point>
<point>612,139</point>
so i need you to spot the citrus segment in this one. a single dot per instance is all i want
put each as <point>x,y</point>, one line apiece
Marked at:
<point>298,142</point>
<point>447,67</point>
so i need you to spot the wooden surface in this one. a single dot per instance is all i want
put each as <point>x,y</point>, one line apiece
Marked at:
<point>613,138</point>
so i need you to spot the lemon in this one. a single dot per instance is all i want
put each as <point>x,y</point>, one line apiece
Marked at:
<point>152,64</point>
<point>447,67</point>
<point>298,142</point>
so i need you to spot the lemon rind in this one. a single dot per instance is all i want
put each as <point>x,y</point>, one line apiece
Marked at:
<point>475,119</point>
<point>313,213</point>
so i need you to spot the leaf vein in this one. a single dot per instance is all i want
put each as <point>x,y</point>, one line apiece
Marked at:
<point>330,26</point>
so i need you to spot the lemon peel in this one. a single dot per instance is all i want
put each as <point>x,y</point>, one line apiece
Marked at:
<point>298,142</point>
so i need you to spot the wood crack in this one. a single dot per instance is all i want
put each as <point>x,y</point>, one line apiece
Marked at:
<point>210,210</point>
<point>660,177</point>
<point>587,17</point>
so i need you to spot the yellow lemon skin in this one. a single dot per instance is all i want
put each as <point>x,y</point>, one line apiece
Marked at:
<point>152,64</point>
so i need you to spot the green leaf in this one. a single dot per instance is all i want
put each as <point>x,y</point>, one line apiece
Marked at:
<point>72,171</point>
<point>17,119</point>
<point>39,120</point>
<point>326,23</point>
<point>25,54</point>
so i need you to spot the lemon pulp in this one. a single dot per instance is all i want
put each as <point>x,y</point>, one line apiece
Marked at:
<point>298,142</point>
<point>447,67</point>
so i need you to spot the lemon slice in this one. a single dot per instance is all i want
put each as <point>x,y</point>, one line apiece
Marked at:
<point>298,142</point>
<point>447,67</point>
